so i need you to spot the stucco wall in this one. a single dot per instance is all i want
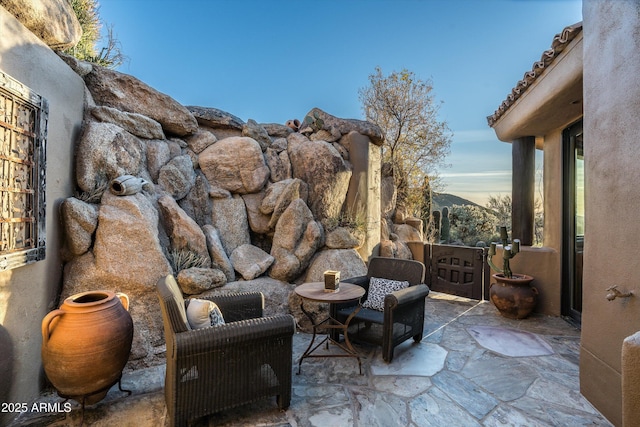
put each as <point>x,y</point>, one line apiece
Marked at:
<point>363,196</point>
<point>28,293</point>
<point>612,156</point>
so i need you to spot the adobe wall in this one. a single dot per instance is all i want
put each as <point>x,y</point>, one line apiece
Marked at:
<point>612,155</point>
<point>28,293</point>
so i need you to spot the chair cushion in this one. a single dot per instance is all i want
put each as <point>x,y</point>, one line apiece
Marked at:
<point>378,289</point>
<point>203,313</point>
<point>176,294</point>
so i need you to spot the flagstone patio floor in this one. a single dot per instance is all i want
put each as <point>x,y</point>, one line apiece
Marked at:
<point>473,368</point>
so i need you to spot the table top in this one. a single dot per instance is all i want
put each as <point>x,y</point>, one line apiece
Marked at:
<point>314,291</point>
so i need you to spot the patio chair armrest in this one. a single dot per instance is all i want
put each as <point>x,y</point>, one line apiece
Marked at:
<point>239,306</point>
<point>358,280</point>
<point>233,334</point>
<point>406,296</point>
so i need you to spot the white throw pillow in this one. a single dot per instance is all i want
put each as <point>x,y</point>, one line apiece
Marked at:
<point>203,313</point>
<point>378,289</point>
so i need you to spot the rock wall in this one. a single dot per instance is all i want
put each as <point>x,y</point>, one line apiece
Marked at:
<point>222,201</point>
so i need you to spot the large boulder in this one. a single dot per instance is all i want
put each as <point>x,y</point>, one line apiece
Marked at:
<point>126,257</point>
<point>215,118</point>
<point>388,192</point>
<point>158,155</point>
<point>219,258</point>
<point>279,196</point>
<point>395,249</point>
<point>255,131</point>
<point>277,130</point>
<point>235,164</point>
<point>197,203</point>
<point>53,21</point>
<point>278,163</point>
<point>335,125</point>
<point>126,240</point>
<point>136,124</point>
<point>106,151</point>
<point>250,261</point>
<point>322,167</point>
<point>200,140</point>
<point>347,261</point>
<point>196,280</point>
<point>79,220</point>
<point>258,221</point>
<point>344,238</point>
<point>229,217</point>
<point>407,233</point>
<point>127,93</point>
<point>296,239</point>
<point>177,177</point>
<point>185,234</point>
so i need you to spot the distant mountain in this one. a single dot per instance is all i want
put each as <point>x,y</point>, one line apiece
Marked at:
<point>441,200</point>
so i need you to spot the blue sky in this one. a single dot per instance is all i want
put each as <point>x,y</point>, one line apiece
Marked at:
<point>272,60</point>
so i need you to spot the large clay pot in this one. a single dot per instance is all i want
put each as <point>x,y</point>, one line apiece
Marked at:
<point>514,297</point>
<point>86,344</point>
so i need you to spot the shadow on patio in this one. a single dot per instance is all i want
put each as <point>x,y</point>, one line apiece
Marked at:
<point>473,368</point>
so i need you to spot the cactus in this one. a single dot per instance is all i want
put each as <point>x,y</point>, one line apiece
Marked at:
<point>435,223</point>
<point>509,251</point>
<point>425,206</point>
<point>445,227</point>
<point>315,122</point>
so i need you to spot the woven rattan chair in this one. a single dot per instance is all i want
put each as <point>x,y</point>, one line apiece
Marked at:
<point>219,367</point>
<point>403,315</point>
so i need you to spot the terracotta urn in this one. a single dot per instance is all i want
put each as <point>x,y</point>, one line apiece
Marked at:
<point>514,297</point>
<point>86,344</point>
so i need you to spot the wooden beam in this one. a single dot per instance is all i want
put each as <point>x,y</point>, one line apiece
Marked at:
<point>523,154</point>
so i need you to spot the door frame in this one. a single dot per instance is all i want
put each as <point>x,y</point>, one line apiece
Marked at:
<point>569,226</point>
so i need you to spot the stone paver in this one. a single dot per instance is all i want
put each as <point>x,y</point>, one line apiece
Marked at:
<point>448,379</point>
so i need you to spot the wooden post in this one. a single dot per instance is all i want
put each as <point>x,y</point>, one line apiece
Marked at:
<point>523,153</point>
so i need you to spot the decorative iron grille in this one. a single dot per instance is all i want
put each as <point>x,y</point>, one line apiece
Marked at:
<point>23,135</point>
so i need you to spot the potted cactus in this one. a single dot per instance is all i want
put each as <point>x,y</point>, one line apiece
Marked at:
<point>512,294</point>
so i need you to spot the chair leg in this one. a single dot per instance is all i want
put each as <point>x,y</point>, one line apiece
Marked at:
<point>417,338</point>
<point>387,353</point>
<point>283,400</point>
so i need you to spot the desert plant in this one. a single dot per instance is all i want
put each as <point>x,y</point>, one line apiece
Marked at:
<point>471,224</point>
<point>315,122</point>
<point>435,224</point>
<point>445,226</point>
<point>87,12</point>
<point>509,251</point>
<point>93,196</point>
<point>355,221</point>
<point>181,259</point>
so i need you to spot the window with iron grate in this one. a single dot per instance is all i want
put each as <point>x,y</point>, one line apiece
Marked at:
<point>23,134</point>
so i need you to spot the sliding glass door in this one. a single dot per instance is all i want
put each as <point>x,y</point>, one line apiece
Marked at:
<point>573,222</point>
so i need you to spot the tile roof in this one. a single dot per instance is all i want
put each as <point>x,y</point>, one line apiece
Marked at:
<point>559,43</point>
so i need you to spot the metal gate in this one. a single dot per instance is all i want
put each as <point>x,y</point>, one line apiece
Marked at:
<point>459,270</point>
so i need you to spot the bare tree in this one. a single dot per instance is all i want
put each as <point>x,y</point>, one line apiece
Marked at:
<point>501,207</point>
<point>416,140</point>
<point>87,12</point>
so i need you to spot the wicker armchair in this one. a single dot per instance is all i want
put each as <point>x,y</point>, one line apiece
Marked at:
<point>219,367</point>
<point>403,315</point>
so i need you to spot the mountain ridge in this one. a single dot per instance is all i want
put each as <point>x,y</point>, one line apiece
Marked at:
<point>440,200</point>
